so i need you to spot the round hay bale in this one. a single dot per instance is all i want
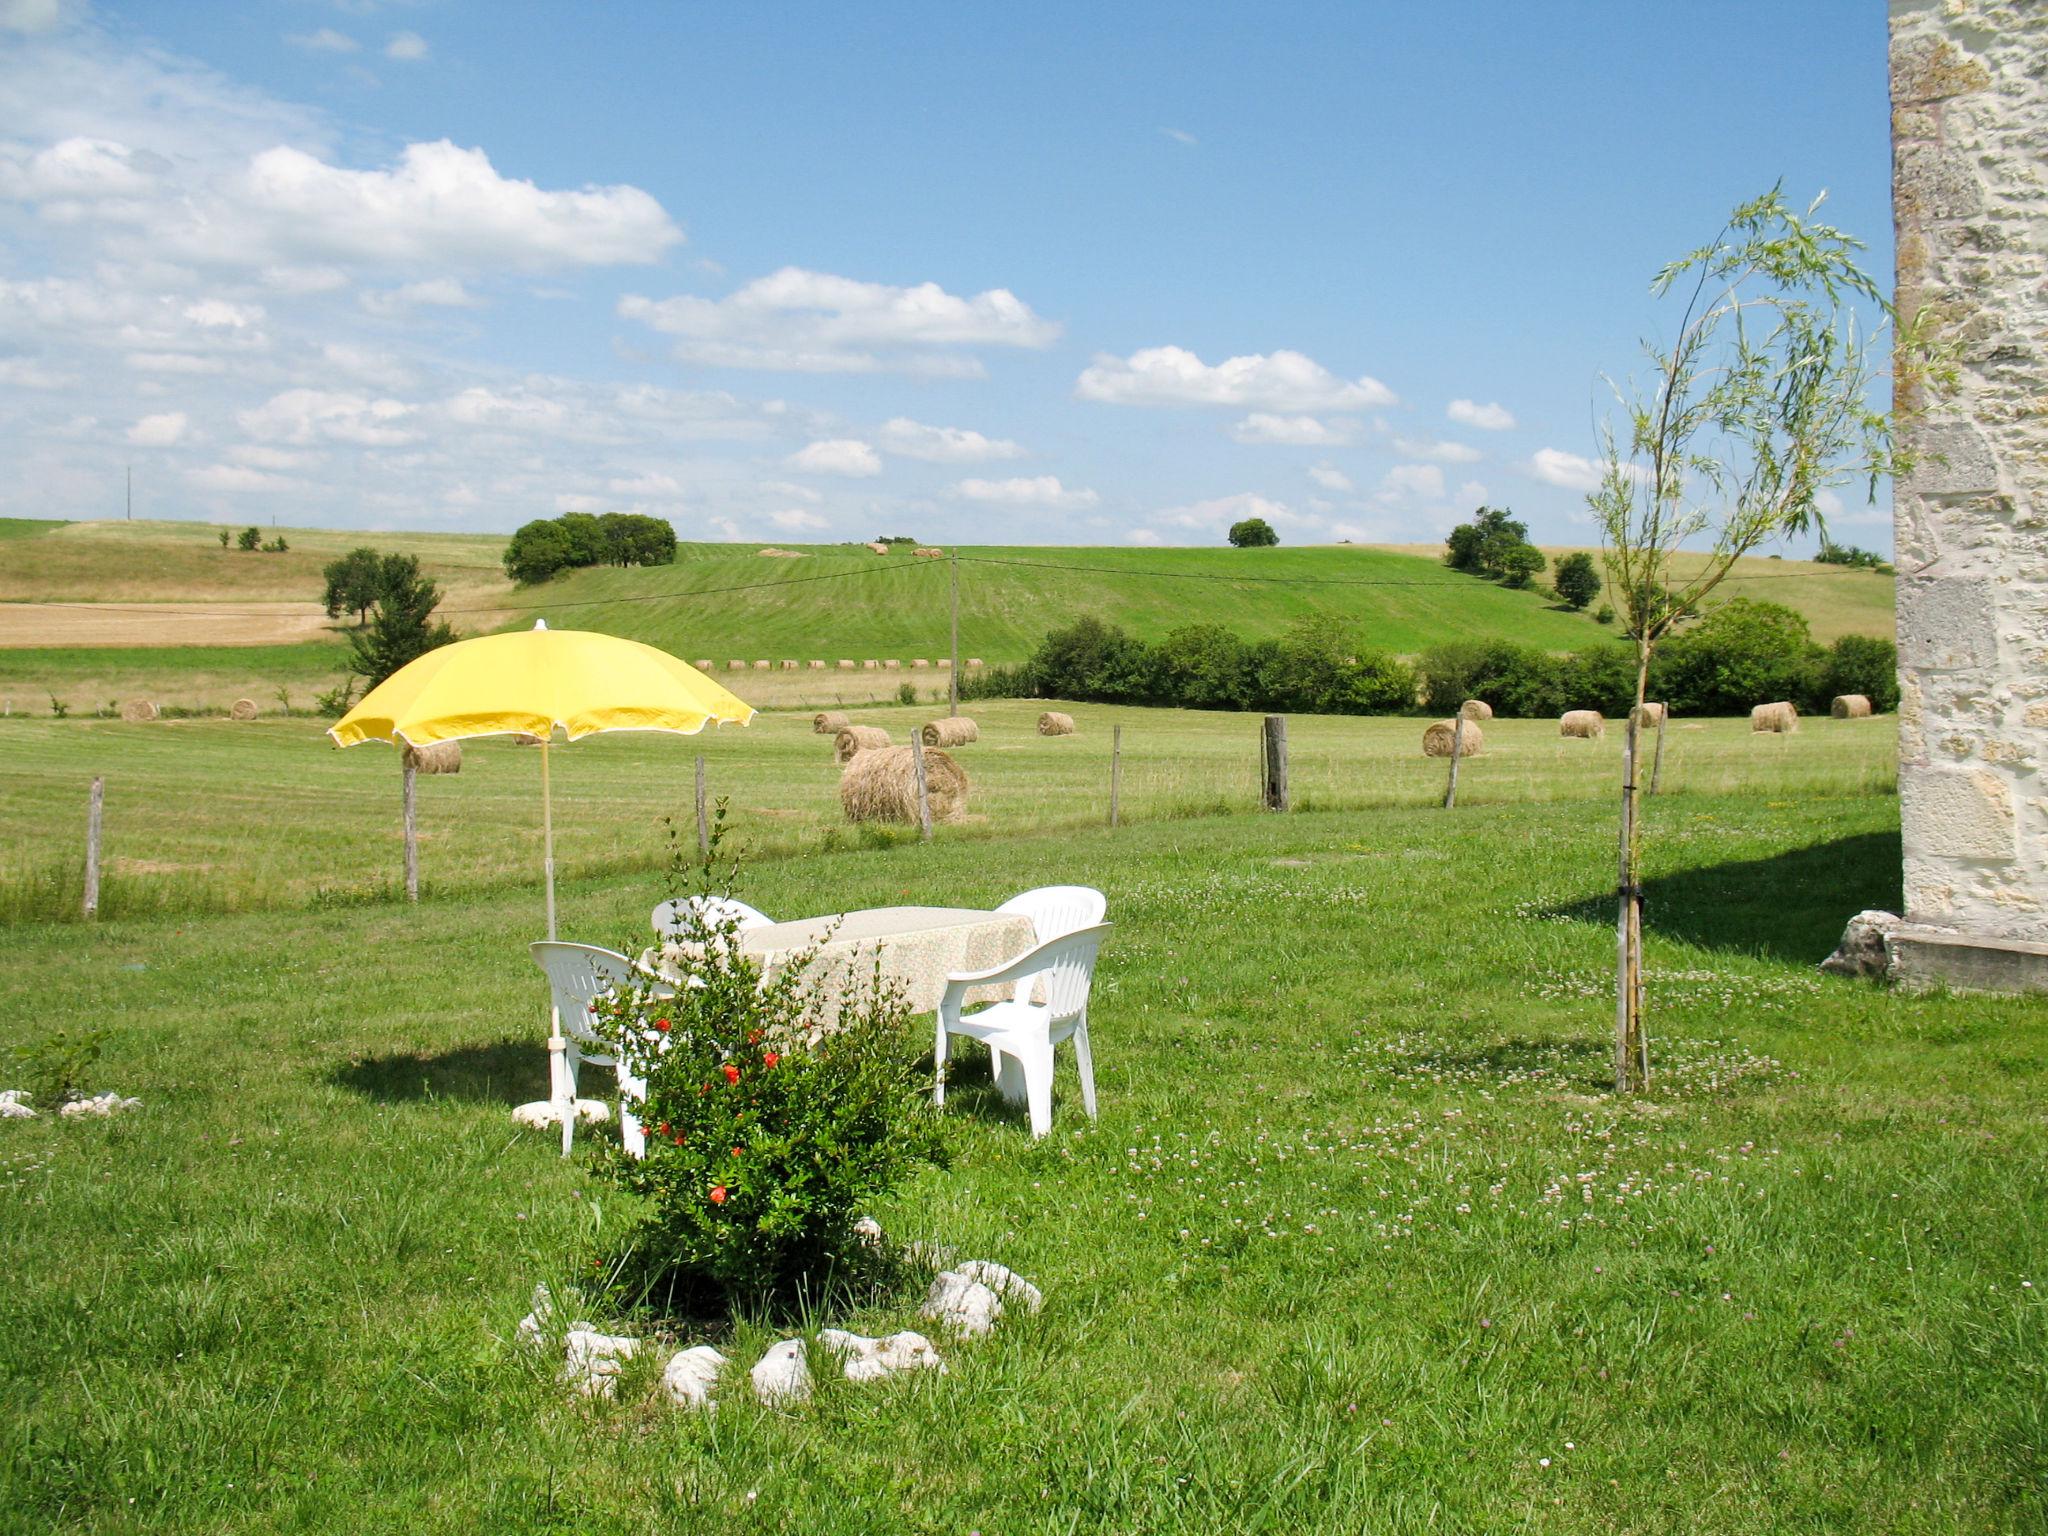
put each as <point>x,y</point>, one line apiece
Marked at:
<point>848,666</point>
<point>735,666</point>
<point>789,666</point>
<point>1649,713</point>
<point>1778,719</point>
<point>436,757</point>
<point>829,722</point>
<point>954,731</point>
<point>892,666</point>
<point>945,663</point>
<point>815,666</point>
<point>856,739</point>
<point>974,661</point>
<point>869,665</point>
<point>1851,706</point>
<point>1476,709</point>
<point>1584,724</point>
<point>1436,741</point>
<point>763,666</point>
<point>525,739</point>
<point>1053,723</point>
<point>920,664</point>
<point>244,709</point>
<point>881,785</point>
<point>136,711</point>
<point>705,665</point>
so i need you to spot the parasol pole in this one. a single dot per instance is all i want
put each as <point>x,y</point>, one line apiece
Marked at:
<point>547,832</point>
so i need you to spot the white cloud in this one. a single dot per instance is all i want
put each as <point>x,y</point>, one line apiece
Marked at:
<point>1148,537</point>
<point>1472,493</point>
<point>1278,381</point>
<point>1412,482</point>
<point>438,292</point>
<point>27,373</point>
<point>237,477</point>
<point>836,456</point>
<point>32,16</point>
<point>1293,431</point>
<point>1023,491</point>
<point>324,40</point>
<point>1571,472</point>
<point>653,483</point>
<point>1331,478</point>
<point>1216,516</point>
<point>303,279</point>
<point>1490,417</point>
<point>1443,451</point>
<point>219,314</point>
<point>791,491</point>
<point>524,409</point>
<point>174,362</point>
<point>310,415</point>
<point>1181,136</point>
<point>796,520</point>
<point>944,445</point>
<point>159,431</point>
<point>813,322</point>
<point>406,47</point>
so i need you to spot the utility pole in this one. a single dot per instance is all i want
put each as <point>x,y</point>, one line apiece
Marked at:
<point>953,676</point>
<point>131,493</point>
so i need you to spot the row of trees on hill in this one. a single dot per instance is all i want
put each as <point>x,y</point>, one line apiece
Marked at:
<point>575,539</point>
<point>1742,654</point>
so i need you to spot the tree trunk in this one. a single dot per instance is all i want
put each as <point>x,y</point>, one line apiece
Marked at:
<point>1631,1049</point>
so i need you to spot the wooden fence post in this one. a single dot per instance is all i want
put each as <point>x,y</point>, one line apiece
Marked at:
<point>924,804</point>
<point>1116,769</point>
<point>1657,759</point>
<point>412,832</point>
<point>1274,740</point>
<point>703,822</point>
<point>1457,750</point>
<point>92,847</point>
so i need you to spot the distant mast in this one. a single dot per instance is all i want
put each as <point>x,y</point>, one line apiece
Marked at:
<point>131,493</point>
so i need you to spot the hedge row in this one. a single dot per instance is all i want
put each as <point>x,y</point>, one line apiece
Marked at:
<point>1742,654</point>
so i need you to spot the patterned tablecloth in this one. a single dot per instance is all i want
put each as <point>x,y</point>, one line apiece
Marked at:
<point>919,947</point>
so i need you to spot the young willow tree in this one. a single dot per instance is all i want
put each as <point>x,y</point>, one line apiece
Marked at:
<point>1761,403</point>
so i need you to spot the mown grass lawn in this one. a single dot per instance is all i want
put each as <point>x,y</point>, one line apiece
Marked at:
<point>1360,1242</point>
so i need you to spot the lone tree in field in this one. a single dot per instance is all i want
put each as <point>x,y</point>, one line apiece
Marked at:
<point>1576,580</point>
<point>1760,404</point>
<point>353,583</point>
<point>1253,533</point>
<point>402,628</point>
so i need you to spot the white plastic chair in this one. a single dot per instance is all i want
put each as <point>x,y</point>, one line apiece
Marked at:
<point>1021,1034</point>
<point>670,919</point>
<point>579,974</point>
<point>1056,911</point>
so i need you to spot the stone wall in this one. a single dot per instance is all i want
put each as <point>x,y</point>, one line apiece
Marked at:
<point>1970,194</point>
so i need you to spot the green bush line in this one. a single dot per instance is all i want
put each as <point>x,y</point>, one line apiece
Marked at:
<point>1744,653</point>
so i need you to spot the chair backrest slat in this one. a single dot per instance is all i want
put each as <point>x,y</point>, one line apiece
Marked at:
<point>1056,911</point>
<point>579,974</point>
<point>687,916</point>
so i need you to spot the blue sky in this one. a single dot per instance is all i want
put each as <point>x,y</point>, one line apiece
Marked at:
<point>1057,273</point>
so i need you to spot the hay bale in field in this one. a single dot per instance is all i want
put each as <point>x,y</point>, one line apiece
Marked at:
<point>1777,719</point>
<point>1436,741</point>
<point>735,666</point>
<point>763,666</point>
<point>869,665</point>
<point>856,739</point>
<point>974,661</point>
<point>1851,706</point>
<point>245,709</point>
<point>954,731</point>
<point>945,663</point>
<point>1584,724</point>
<point>1649,713</point>
<point>435,757</point>
<point>137,711</point>
<point>929,554</point>
<point>892,665</point>
<point>705,665</point>
<point>789,666</point>
<point>848,666</point>
<point>920,664</point>
<point>880,549</point>
<point>815,666</point>
<point>881,785</point>
<point>1476,709</point>
<point>1053,723</point>
<point>525,739</point>
<point>829,722</point>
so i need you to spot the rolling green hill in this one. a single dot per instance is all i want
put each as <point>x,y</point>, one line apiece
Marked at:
<point>723,603</point>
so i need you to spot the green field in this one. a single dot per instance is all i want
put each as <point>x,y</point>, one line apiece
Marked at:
<point>1360,1243</point>
<point>211,815</point>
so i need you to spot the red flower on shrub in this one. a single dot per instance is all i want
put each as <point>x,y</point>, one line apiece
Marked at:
<point>662,1025</point>
<point>736,1151</point>
<point>664,1128</point>
<point>732,1073</point>
<point>771,1058</point>
<point>718,1194</point>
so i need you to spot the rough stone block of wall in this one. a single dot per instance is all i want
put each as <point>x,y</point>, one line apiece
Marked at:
<point>1970,199</point>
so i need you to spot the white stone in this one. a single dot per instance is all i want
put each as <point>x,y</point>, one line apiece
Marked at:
<point>535,1327</point>
<point>1862,951</point>
<point>592,1361</point>
<point>100,1105</point>
<point>543,1113</point>
<point>869,1231</point>
<point>928,1255</point>
<point>1006,1283</point>
<point>783,1376</point>
<point>962,1304</point>
<point>865,1359</point>
<point>690,1376</point>
<point>14,1105</point>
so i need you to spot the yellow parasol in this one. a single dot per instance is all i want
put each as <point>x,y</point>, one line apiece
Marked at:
<point>532,681</point>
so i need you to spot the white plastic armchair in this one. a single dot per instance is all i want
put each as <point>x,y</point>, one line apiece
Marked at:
<point>671,918</point>
<point>1021,1034</point>
<point>1056,911</point>
<point>579,974</point>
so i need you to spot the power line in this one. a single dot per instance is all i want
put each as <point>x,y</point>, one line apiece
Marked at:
<point>1330,581</point>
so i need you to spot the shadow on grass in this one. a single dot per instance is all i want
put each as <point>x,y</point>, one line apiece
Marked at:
<point>1790,906</point>
<point>503,1072</point>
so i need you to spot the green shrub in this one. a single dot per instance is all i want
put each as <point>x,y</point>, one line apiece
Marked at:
<point>53,1069</point>
<point>1576,580</point>
<point>1860,664</point>
<point>249,538</point>
<point>995,683</point>
<point>1742,654</point>
<point>1091,660</point>
<point>906,693</point>
<point>768,1136</point>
